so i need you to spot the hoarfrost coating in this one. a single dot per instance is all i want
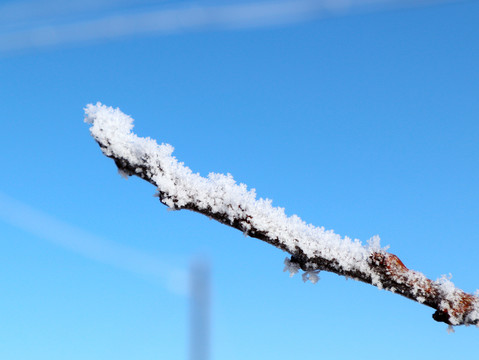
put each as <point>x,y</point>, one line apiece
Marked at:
<point>312,248</point>
<point>220,193</point>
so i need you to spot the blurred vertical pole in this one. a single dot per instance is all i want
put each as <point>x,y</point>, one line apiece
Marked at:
<point>199,310</point>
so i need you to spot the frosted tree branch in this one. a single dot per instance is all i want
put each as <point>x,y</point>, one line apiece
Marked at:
<point>312,249</point>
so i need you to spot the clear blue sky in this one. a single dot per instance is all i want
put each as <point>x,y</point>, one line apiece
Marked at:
<point>366,124</point>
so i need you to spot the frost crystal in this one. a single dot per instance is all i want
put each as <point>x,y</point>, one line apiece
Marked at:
<point>291,267</point>
<point>374,243</point>
<point>311,276</point>
<point>123,174</point>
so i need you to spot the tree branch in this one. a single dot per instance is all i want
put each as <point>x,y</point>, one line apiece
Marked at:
<point>312,248</point>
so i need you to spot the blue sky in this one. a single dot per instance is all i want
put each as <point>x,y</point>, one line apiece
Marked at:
<point>364,123</point>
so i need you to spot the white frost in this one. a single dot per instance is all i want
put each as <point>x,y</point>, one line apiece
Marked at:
<point>220,194</point>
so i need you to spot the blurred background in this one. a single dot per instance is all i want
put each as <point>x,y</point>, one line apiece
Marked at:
<point>360,116</point>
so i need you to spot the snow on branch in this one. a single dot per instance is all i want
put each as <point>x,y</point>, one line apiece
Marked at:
<point>312,248</point>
